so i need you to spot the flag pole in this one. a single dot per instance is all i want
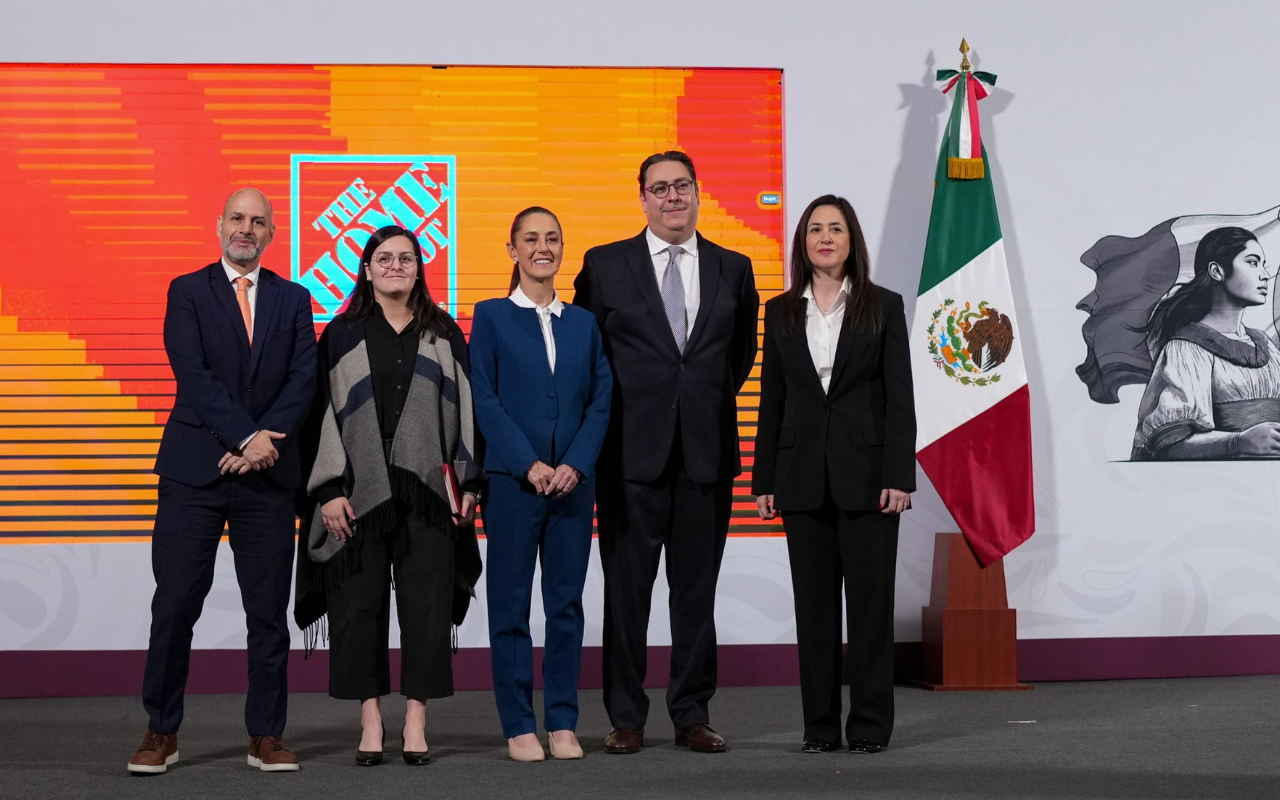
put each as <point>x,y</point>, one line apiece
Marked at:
<point>969,634</point>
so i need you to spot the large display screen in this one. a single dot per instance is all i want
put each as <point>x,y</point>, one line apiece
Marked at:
<point>112,177</point>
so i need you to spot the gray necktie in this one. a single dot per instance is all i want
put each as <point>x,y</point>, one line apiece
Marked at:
<point>673,296</point>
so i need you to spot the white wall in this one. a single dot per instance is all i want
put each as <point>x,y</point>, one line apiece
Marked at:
<point>1108,118</point>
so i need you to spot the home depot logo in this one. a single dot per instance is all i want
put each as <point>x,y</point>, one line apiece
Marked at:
<point>338,201</point>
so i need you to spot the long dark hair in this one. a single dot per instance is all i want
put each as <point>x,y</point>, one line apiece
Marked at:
<point>428,318</point>
<point>1194,300</point>
<point>515,228</point>
<point>861,309</point>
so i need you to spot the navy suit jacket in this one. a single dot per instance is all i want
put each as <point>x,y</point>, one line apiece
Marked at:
<point>525,413</point>
<point>227,390</point>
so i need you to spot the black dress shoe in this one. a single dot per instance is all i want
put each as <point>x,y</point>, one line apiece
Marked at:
<point>371,758</point>
<point>414,758</point>
<point>863,747</point>
<point>816,745</point>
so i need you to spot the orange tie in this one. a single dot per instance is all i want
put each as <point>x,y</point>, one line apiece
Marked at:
<point>242,297</point>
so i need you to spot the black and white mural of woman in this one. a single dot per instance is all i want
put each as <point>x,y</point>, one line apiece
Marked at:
<point>1214,391</point>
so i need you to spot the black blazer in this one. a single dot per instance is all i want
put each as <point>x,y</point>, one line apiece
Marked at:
<point>654,385</point>
<point>226,390</point>
<point>859,436</point>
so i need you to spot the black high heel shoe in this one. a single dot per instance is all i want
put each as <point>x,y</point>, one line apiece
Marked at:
<point>372,758</point>
<point>414,758</point>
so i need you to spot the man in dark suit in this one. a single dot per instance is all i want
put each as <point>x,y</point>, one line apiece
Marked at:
<point>242,347</point>
<point>678,314</point>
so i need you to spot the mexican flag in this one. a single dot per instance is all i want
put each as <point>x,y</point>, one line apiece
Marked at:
<point>973,409</point>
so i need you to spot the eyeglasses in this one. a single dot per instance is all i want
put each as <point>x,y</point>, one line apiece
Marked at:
<point>659,190</point>
<point>385,260</point>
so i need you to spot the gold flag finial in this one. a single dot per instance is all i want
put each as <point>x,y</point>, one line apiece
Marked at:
<point>964,55</point>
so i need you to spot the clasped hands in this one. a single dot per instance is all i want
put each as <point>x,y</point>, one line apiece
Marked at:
<point>551,481</point>
<point>258,453</point>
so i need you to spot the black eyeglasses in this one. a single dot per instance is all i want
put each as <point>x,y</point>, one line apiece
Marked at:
<point>660,190</point>
<point>385,260</point>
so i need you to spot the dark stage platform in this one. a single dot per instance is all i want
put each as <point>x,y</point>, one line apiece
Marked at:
<point>1194,738</point>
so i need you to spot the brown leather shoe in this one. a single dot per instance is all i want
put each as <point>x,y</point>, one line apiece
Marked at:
<point>624,741</point>
<point>700,739</point>
<point>269,754</point>
<point>155,754</point>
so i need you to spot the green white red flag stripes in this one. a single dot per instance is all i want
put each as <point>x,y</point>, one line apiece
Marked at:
<point>973,408</point>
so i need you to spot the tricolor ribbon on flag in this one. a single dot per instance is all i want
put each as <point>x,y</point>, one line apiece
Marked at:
<point>964,156</point>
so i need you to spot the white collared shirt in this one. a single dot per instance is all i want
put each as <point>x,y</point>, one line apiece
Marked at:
<point>823,330</point>
<point>687,263</point>
<point>232,275</point>
<point>544,320</point>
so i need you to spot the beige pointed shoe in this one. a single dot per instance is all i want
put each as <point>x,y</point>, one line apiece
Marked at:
<point>528,754</point>
<point>564,752</point>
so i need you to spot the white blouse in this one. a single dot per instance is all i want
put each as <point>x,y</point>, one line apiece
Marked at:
<point>823,331</point>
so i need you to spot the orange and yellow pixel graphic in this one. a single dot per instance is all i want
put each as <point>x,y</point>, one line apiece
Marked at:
<point>116,174</point>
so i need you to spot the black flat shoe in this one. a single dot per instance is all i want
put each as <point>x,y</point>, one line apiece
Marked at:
<point>816,745</point>
<point>414,758</point>
<point>863,747</point>
<point>371,758</point>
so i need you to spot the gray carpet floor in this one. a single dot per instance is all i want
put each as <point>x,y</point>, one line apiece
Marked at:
<point>1204,738</point>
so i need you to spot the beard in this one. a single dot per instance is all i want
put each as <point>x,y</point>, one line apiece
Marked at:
<point>241,252</point>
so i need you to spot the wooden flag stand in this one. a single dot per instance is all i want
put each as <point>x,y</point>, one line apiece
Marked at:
<point>970,636</point>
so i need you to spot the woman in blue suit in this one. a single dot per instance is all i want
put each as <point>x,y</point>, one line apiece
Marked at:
<point>542,389</point>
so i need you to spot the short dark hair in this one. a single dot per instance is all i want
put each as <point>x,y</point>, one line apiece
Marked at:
<point>670,155</point>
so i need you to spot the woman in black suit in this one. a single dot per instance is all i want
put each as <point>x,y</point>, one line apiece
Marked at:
<point>835,455</point>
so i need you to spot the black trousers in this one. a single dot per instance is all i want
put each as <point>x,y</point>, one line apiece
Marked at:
<point>828,547</point>
<point>360,616</point>
<point>637,520</point>
<point>259,517</point>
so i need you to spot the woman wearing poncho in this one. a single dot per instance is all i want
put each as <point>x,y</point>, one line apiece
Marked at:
<point>393,407</point>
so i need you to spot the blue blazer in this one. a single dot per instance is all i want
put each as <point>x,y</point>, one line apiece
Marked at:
<point>525,413</point>
<point>226,390</point>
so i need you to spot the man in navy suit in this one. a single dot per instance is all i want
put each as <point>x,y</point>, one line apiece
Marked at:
<point>242,347</point>
<point>678,316</point>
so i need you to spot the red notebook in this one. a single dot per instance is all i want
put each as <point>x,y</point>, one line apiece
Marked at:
<point>451,489</point>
